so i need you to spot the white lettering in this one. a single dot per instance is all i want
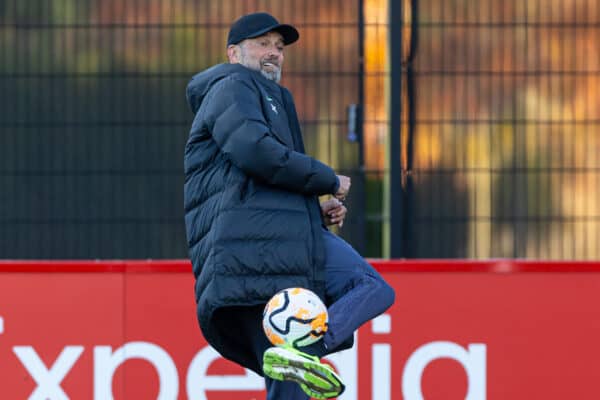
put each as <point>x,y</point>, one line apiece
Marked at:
<point>106,363</point>
<point>48,380</point>
<point>473,361</point>
<point>381,372</point>
<point>198,382</point>
<point>346,364</point>
<point>382,324</point>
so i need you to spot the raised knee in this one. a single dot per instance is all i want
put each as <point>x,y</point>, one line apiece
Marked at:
<point>383,292</point>
<point>387,293</point>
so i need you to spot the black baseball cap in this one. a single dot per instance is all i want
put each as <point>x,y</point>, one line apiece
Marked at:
<point>257,24</point>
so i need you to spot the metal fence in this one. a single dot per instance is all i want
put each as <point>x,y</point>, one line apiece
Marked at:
<point>501,128</point>
<point>495,112</point>
<point>94,120</point>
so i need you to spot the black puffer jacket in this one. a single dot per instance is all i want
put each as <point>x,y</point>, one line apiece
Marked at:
<point>251,209</point>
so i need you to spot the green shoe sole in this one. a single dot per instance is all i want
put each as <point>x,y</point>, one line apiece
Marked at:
<point>316,379</point>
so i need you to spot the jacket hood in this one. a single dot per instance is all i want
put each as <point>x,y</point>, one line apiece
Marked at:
<point>201,83</point>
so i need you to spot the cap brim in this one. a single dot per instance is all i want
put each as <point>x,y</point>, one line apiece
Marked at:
<point>288,32</point>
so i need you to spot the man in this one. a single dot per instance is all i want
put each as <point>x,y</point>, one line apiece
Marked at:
<point>253,219</point>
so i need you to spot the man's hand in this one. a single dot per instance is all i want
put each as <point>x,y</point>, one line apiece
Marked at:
<point>334,212</point>
<point>344,187</point>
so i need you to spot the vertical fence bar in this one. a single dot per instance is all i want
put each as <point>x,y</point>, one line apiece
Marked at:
<point>409,212</point>
<point>396,202</point>
<point>360,198</point>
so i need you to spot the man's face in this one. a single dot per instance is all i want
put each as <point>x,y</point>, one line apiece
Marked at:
<point>264,54</point>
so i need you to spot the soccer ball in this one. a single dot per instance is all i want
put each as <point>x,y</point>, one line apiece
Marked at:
<point>295,317</point>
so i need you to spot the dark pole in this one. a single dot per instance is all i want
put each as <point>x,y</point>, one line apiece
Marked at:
<point>395,153</point>
<point>408,235</point>
<point>361,198</point>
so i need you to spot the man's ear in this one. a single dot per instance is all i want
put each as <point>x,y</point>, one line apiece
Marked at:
<point>233,53</point>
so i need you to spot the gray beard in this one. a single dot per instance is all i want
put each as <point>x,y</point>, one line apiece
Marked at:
<point>272,76</point>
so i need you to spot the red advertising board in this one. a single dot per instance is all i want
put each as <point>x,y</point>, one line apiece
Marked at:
<point>459,330</point>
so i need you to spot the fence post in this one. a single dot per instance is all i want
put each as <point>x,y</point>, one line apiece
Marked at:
<point>395,143</point>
